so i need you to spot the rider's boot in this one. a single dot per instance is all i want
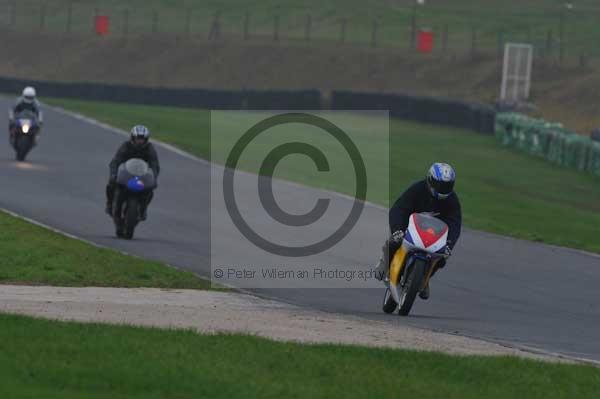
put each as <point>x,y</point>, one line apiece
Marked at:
<point>382,269</point>
<point>424,294</point>
<point>145,203</point>
<point>110,193</point>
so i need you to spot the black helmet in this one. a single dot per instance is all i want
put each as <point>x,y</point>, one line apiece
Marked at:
<point>440,180</point>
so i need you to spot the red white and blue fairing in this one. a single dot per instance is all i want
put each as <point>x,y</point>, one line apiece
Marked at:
<point>426,232</point>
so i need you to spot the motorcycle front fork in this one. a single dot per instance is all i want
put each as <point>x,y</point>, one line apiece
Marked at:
<point>432,270</point>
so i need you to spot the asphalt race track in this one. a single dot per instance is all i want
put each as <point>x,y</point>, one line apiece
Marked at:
<point>511,291</point>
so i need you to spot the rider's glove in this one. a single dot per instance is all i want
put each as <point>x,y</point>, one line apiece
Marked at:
<point>397,236</point>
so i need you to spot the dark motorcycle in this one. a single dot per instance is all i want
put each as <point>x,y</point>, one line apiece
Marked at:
<point>135,183</point>
<point>24,133</point>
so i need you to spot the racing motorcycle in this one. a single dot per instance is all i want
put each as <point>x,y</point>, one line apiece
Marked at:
<point>23,136</point>
<point>413,263</point>
<point>135,181</point>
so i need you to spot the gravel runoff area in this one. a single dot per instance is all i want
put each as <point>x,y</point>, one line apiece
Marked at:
<point>214,312</point>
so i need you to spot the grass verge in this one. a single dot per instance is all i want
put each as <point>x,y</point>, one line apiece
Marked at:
<point>41,358</point>
<point>34,255</point>
<point>501,191</point>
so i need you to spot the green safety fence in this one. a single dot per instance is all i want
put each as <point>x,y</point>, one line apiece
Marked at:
<point>547,140</point>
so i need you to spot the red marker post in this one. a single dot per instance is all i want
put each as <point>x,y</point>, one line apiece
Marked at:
<point>101,23</point>
<point>425,41</point>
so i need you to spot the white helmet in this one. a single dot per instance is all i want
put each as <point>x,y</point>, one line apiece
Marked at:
<point>29,94</point>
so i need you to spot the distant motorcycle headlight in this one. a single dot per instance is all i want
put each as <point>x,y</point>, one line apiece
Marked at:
<point>25,129</point>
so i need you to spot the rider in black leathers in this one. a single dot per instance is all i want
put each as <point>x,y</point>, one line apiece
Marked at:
<point>138,146</point>
<point>436,195</point>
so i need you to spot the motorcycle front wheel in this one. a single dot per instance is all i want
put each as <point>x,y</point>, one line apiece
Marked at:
<point>132,213</point>
<point>23,145</point>
<point>412,286</point>
<point>389,304</point>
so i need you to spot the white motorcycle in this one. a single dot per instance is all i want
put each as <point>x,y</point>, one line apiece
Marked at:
<point>413,263</point>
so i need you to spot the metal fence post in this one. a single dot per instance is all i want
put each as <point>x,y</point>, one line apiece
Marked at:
<point>213,34</point>
<point>473,42</point>
<point>413,28</point>
<point>276,28</point>
<point>247,25</point>
<point>307,27</point>
<point>500,44</point>
<point>343,23</point>
<point>42,17</point>
<point>155,21</point>
<point>445,39</point>
<point>188,23</point>
<point>549,42</point>
<point>374,34</point>
<point>96,13</point>
<point>69,17</point>
<point>125,27</point>
<point>561,37</point>
<point>13,14</point>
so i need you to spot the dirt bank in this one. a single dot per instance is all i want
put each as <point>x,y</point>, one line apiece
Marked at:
<point>569,93</point>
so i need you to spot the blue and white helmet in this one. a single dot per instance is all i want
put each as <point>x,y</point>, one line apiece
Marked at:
<point>440,180</point>
<point>140,131</point>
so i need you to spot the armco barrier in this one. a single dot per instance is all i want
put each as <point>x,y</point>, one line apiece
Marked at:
<point>548,140</point>
<point>477,117</point>
<point>273,99</point>
<point>202,98</point>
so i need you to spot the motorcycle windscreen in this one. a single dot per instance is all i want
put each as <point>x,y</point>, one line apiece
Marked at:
<point>24,121</point>
<point>138,168</point>
<point>27,114</point>
<point>427,232</point>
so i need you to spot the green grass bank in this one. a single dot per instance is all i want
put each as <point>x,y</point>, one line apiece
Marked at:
<point>40,358</point>
<point>35,255</point>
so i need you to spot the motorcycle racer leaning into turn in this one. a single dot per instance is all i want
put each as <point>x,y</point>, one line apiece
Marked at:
<point>435,194</point>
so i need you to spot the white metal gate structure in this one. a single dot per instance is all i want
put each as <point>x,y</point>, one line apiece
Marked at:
<point>516,73</point>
